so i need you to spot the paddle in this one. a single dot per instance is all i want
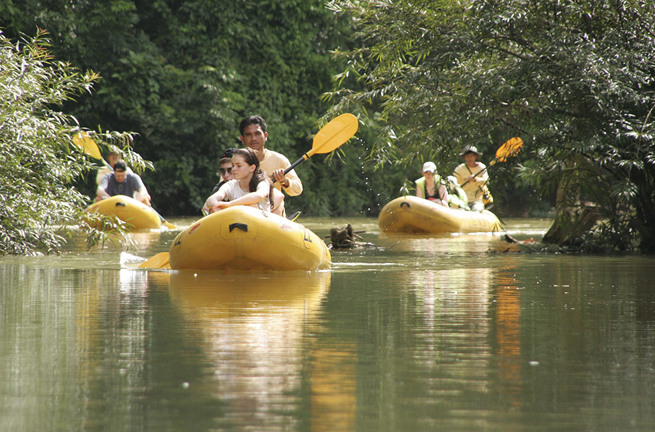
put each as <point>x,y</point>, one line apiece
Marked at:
<point>159,261</point>
<point>510,148</point>
<point>331,136</point>
<point>89,147</point>
<point>164,221</point>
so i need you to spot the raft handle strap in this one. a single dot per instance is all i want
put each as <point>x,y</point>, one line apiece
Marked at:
<point>243,227</point>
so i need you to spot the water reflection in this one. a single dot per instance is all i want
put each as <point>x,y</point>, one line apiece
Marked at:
<point>141,244</point>
<point>254,330</point>
<point>66,333</point>
<point>416,334</point>
<point>507,318</point>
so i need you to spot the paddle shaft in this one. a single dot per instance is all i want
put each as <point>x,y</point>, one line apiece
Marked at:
<point>478,173</point>
<point>293,165</point>
<point>296,163</point>
<point>164,221</point>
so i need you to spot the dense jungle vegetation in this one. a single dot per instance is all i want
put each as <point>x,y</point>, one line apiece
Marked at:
<point>573,79</point>
<point>182,74</point>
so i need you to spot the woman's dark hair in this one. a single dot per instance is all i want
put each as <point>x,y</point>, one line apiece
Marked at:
<point>250,157</point>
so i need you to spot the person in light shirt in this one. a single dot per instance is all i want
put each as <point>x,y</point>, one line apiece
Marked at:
<point>254,136</point>
<point>472,176</point>
<point>249,185</point>
<point>431,186</point>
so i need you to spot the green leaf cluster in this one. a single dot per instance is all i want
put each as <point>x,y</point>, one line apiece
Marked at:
<point>573,78</point>
<point>182,74</point>
<point>38,160</point>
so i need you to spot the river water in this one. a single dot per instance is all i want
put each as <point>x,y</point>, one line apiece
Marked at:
<point>415,333</point>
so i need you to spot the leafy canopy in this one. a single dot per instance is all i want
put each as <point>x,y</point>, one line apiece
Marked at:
<point>39,161</point>
<point>574,79</point>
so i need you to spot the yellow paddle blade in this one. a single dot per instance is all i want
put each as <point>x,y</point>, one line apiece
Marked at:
<point>87,145</point>
<point>331,136</point>
<point>159,261</point>
<point>334,134</point>
<point>169,225</point>
<point>510,148</point>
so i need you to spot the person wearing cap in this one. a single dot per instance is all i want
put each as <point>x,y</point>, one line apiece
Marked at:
<point>112,158</point>
<point>430,186</point>
<point>472,176</point>
<point>121,182</point>
<point>224,169</point>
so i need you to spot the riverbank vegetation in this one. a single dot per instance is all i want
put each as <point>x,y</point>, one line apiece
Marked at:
<point>182,74</point>
<point>574,80</point>
<point>40,161</point>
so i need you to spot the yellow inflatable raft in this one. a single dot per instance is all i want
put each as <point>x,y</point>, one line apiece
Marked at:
<point>411,214</point>
<point>245,238</point>
<point>135,213</point>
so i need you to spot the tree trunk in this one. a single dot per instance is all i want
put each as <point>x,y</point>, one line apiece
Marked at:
<point>573,217</point>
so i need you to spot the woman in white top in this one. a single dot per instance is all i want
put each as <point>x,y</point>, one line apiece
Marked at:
<point>249,185</point>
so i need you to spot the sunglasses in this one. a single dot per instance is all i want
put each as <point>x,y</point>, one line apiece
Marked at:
<point>225,170</point>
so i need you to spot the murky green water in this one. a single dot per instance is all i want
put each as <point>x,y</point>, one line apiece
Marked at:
<point>415,334</point>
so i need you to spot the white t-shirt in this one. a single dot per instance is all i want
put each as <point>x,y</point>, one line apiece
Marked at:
<point>232,191</point>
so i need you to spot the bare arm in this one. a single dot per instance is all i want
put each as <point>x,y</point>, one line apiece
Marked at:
<point>214,199</point>
<point>443,194</point>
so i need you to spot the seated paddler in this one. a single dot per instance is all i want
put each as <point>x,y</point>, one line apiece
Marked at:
<point>122,182</point>
<point>249,185</point>
<point>431,186</point>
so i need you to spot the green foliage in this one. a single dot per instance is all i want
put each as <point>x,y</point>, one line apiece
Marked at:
<point>40,162</point>
<point>574,79</point>
<point>182,74</point>
<point>100,229</point>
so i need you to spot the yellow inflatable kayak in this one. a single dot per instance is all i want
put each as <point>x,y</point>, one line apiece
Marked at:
<point>135,213</point>
<point>245,238</point>
<point>411,214</point>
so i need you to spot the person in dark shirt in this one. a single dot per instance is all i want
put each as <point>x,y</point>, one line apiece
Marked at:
<point>121,182</point>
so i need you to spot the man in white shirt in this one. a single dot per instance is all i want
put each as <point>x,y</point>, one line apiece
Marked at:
<point>254,136</point>
<point>472,176</point>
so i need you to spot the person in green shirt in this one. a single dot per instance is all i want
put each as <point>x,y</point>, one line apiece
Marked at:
<point>431,186</point>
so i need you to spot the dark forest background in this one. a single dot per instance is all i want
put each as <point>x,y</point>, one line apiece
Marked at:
<point>181,75</point>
